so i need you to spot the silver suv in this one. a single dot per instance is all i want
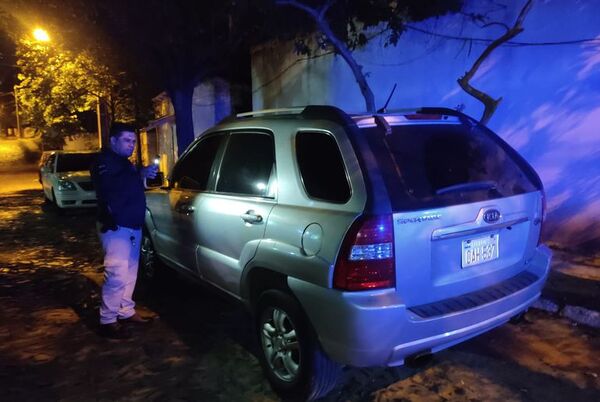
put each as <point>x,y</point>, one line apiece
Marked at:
<point>354,240</point>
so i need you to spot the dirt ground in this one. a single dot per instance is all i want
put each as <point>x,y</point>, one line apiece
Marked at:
<point>201,347</point>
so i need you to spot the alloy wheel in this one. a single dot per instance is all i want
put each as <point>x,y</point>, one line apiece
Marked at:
<point>148,257</point>
<point>280,344</point>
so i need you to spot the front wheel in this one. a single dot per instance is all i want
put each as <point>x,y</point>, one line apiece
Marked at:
<point>291,355</point>
<point>57,208</point>
<point>149,263</point>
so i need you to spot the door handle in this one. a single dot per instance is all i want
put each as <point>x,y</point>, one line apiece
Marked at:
<point>185,209</point>
<point>251,217</point>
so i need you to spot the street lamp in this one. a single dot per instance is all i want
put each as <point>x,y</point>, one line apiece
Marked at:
<point>41,35</point>
<point>17,111</point>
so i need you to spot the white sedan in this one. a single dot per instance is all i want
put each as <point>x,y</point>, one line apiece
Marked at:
<point>66,179</point>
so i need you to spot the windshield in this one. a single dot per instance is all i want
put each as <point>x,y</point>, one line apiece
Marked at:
<point>433,165</point>
<point>75,162</point>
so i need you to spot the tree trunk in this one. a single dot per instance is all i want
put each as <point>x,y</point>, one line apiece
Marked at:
<point>319,16</point>
<point>490,104</point>
<point>182,103</point>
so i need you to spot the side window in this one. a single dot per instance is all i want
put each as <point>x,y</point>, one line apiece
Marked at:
<point>248,165</point>
<point>193,170</point>
<point>322,167</point>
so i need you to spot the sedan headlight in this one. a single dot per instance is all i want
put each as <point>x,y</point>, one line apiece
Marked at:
<point>66,185</point>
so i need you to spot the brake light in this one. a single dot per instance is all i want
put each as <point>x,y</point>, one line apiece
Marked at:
<point>366,258</point>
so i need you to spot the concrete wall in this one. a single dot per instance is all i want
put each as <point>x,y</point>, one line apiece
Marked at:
<point>550,110</point>
<point>210,104</point>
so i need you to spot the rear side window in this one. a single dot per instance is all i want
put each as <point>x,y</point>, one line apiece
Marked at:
<point>193,170</point>
<point>322,167</point>
<point>248,165</point>
<point>433,165</point>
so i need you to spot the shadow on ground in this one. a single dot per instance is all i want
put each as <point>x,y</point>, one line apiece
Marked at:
<point>202,346</point>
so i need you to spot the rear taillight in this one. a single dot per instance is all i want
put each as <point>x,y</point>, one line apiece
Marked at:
<point>366,258</point>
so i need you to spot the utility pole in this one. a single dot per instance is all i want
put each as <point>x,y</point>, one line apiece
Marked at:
<point>99,121</point>
<point>17,111</point>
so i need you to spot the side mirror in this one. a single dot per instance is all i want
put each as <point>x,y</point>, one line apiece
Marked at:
<point>158,181</point>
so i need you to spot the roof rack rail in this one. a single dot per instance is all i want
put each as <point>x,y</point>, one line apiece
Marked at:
<point>266,112</point>
<point>423,110</point>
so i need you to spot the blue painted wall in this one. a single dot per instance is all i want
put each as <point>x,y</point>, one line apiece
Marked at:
<point>550,110</point>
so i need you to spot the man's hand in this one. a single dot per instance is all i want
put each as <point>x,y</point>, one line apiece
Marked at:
<point>107,222</point>
<point>149,172</point>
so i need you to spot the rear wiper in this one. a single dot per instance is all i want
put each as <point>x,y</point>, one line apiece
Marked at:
<point>472,186</point>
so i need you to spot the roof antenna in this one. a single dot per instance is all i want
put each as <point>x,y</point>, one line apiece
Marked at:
<point>382,110</point>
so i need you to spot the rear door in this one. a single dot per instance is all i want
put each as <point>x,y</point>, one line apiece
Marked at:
<point>235,214</point>
<point>467,207</point>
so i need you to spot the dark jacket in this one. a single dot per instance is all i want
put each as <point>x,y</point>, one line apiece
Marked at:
<point>120,191</point>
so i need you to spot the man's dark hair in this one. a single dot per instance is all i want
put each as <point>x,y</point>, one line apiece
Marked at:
<point>117,128</point>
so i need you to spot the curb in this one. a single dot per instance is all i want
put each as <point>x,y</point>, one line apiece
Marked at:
<point>580,315</point>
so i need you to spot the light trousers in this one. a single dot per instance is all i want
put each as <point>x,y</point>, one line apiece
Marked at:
<point>121,257</point>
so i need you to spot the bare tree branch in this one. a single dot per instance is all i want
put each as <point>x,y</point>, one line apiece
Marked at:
<point>502,24</point>
<point>319,16</point>
<point>491,104</point>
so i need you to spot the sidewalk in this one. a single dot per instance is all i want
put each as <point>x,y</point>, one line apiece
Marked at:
<point>573,287</point>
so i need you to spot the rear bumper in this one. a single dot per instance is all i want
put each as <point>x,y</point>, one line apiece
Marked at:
<point>375,328</point>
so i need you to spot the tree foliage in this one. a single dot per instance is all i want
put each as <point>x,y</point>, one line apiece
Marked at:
<point>57,86</point>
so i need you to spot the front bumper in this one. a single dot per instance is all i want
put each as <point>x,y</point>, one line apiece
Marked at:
<point>376,329</point>
<point>76,199</point>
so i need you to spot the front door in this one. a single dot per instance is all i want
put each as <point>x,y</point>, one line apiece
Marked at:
<point>175,212</point>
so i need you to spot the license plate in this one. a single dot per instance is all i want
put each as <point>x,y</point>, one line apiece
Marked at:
<point>479,250</point>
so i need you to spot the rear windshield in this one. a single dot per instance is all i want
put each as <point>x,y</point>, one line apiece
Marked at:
<point>434,165</point>
<point>75,162</point>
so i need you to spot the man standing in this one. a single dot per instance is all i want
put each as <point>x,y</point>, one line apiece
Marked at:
<point>121,209</point>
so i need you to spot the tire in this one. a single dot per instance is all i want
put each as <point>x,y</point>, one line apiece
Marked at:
<point>59,210</point>
<point>47,200</point>
<point>291,357</point>
<point>150,267</point>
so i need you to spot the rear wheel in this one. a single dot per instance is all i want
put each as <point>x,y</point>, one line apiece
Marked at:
<point>291,355</point>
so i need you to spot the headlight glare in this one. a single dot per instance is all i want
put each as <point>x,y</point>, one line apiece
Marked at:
<point>66,185</point>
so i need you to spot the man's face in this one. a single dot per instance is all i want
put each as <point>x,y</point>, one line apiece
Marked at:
<point>124,144</point>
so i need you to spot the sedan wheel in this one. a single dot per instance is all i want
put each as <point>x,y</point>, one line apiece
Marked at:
<point>59,210</point>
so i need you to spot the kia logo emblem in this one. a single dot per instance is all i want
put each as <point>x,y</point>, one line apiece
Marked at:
<point>491,215</point>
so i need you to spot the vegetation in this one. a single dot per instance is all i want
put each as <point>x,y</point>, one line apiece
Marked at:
<point>59,90</point>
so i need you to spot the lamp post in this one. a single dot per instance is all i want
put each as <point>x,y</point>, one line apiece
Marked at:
<point>17,111</point>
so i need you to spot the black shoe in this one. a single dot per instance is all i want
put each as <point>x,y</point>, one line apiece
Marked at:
<point>135,319</point>
<point>114,330</point>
